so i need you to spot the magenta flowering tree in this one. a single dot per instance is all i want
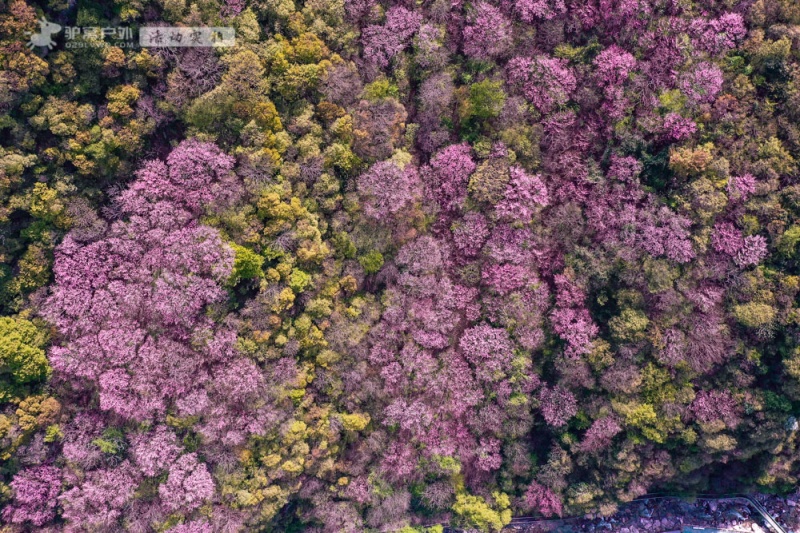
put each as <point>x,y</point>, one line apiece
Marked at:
<point>507,277</point>
<point>717,36</point>
<point>613,65</point>
<point>744,251</point>
<point>382,42</point>
<point>188,485</point>
<point>557,405</point>
<point>101,498</point>
<point>570,320</point>
<point>546,82</point>
<point>515,297</point>
<point>195,175</point>
<point>111,346</point>
<point>447,175</point>
<point>470,233</point>
<point>663,233</point>
<point>523,195</point>
<point>445,376</point>
<point>703,83</point>
<point>436,95</point>
<point>357,9</point>
<point>195,526</point>
<point>130,308</point>
<point>542,500</point>
<point>600,434</point>
<point>678,128</point>
<point>709,406</point>
<point>157,271</point>
<point>429,47</point>
<point>480,256</point>
<point>726,238</point>
<point>740,188</point>
<point>341,84</point>
<point>436,304</point>
<point>488,457</point>
<point>532,10</point>
<point>388,189</point>
<point>487,34</point>
<point>155,451</point>
<point>35,493</point>
<point>488,349</point>
<point>753,250</point>
<point>673,350</point>
<point>625,169</point>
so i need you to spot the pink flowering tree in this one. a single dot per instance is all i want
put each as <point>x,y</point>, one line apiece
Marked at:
<point>447,175</point>
<point>524,194</point>
<point>35,492</point>
<point>487,34</point>
<point>388,189</point>
<point>382,42</point>
<point>717,36</point>
<point>542,500</point>
<point>531,10</point>
<point>570,320</point>
<point>709,406</point>
<point>557,405</point>
<point>130,311</point>
<point>126,305</point>
<point>703,83</point>
<point>546,82</point>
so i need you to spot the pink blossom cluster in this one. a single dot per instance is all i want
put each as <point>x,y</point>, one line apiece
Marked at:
<point>543,500</point>
<point>744,251</point>
<point>523,194</point>
<point>570,320</point>
<point>703,83</point>
<point>531,10</point>
<point>709,406</point>
<point>447,175</point>
<point>388,189</point>
<point>547,83</point>
<point>557,405</point>
<point>487,34</point>
<point>717,36</point>
<point>382,42</point>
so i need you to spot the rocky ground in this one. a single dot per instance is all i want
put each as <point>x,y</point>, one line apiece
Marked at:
<point>786,511</point>
<point>672,515</point>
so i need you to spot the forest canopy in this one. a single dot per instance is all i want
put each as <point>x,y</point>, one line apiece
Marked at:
<point>393,265</point>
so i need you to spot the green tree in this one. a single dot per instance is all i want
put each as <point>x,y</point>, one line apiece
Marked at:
<point>22,356</point>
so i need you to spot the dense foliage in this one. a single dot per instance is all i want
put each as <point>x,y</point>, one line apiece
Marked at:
<point>383,266</point>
